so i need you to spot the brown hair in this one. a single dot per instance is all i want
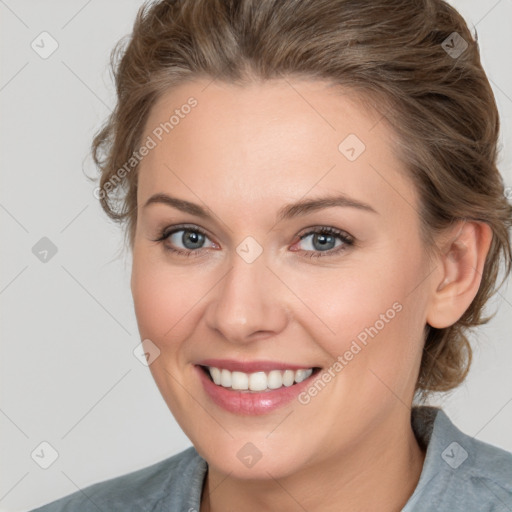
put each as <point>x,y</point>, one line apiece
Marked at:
<point>403,56</point>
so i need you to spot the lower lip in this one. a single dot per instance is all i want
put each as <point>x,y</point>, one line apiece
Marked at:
<point>249,402</point>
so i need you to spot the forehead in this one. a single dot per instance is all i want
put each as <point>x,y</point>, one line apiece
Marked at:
<point>274,141</point>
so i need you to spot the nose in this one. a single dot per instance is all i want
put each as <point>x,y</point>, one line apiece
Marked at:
<point>249,303</point>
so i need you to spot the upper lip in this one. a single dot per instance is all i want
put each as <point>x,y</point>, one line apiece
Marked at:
<point>251,366</point>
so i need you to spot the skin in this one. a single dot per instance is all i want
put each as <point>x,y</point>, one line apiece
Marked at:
<point>243,153</point>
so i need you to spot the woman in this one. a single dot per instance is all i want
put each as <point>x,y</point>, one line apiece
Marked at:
<point>316,217</point>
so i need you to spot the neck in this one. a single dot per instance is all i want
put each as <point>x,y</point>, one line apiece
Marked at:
<point>379,474</point>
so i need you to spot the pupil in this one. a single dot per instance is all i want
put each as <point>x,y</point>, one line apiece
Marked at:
<point>323,239</point>
<point>194,238</point>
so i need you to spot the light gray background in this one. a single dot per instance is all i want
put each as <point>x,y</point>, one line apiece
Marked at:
<point>68,374</point>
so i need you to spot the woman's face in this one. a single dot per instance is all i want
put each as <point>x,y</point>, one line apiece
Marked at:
<point>258,287</point>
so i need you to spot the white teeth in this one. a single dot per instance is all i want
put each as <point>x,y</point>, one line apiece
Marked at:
<point>215,373</point>
<point>258,381</point>
<point>239,380</point>
<point>288,377</point>
<point>301,375</point>
<point>274,379</point>
<point>225,378</point>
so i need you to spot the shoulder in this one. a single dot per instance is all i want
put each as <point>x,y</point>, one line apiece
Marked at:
<point>177,481</point>
<point>459,472</point>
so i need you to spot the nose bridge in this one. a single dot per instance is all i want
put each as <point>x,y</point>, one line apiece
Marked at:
<point>248,300</point>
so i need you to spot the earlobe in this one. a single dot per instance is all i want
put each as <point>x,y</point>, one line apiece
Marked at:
<point>461,263</point>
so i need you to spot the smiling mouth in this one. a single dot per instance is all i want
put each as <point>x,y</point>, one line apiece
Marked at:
<point>257,381</point>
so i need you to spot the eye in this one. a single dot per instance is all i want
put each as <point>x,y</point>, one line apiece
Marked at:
<point>327,240</point>
<point>319,242</point>
<point>191,239</point>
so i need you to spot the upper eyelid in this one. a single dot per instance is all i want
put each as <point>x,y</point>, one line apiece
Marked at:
<point>328,229</point>
<point>303,231</point>
<point>169,230</point>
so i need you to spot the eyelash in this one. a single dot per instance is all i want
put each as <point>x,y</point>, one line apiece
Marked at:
<point>347,240</point>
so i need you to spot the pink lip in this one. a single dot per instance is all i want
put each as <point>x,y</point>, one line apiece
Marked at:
<point>251,366</point>
<point>249,402</point>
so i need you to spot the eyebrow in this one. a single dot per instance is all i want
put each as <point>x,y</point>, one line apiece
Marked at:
<point>289,211</point>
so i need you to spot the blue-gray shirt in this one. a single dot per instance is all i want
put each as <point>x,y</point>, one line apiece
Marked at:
<point>460,474</point>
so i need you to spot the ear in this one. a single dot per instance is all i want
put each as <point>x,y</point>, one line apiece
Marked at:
<point>460,265</point>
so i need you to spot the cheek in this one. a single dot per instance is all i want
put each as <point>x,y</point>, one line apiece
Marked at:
<point>367,315</point>
<point>165,315</point>
<point>159,299</point>
<point>153,310</point>
<point>342,303</point>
